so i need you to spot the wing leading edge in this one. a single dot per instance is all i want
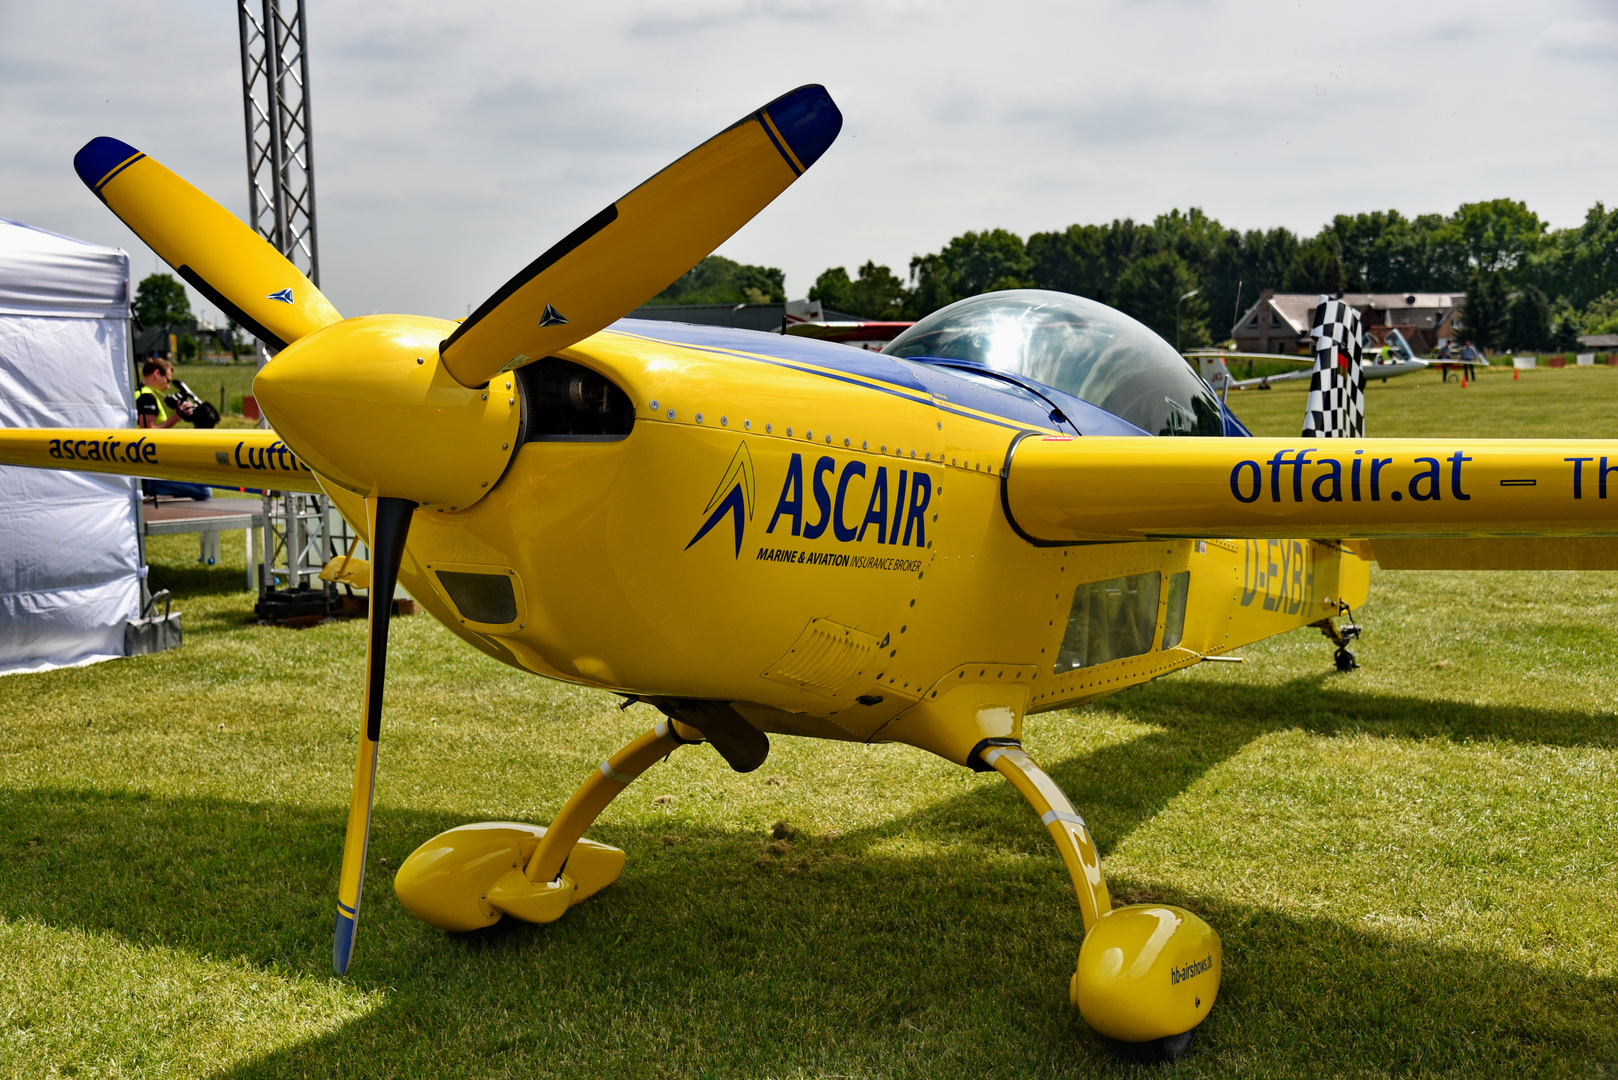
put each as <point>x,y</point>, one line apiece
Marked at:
<point>1067,491</point>
<point>242,457</point>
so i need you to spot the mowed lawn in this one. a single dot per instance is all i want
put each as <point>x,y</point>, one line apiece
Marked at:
<point>213,382</point>
<point>1412,866</point>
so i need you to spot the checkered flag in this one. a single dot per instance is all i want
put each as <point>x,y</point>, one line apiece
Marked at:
<point>1336,407</point>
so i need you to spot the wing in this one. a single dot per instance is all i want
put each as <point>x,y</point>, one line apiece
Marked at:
<point>242,457</point>
<point>1266,380</point>
<point>1067,491</point>
<point>1273,358</point>
<point>1371,371</point>
<point>1371,368</point>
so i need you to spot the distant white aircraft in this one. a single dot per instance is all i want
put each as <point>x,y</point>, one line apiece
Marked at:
<point>1212,365</point>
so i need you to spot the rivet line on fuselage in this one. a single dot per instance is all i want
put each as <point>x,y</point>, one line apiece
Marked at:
<point>848,442</point>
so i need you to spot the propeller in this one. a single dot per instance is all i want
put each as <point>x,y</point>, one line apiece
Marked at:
<point>390,525</point>
<point>630,251</point>
<point>408,412</point>
<point>235,268</point>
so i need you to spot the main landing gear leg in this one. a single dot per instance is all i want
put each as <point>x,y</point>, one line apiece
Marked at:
<point>1340,636</point>
<point>467,878</point>
<point>1148,973</point>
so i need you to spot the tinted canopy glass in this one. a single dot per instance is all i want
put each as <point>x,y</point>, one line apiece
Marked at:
<point>1079,346</point>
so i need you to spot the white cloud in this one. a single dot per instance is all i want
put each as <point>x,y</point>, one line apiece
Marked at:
<point>696,16</point>
<point>1454,29</point>
<point>1590,41</point>
<point>453,143</point>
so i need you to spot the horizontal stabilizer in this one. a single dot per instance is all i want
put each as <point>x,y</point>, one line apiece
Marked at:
<point>223,457</point>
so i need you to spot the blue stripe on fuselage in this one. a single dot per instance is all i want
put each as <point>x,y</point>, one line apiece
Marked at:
<point>845,358</point>
<point>866,367</point>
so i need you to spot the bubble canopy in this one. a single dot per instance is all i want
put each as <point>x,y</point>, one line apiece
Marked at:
<point>1081,347</point>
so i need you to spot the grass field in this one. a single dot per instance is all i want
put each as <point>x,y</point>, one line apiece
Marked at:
<point>207,380</point>
<point>1412,866</point>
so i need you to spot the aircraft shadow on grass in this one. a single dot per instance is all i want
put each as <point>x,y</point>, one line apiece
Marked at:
<point>1122,786</point>
<point>835,944</point>
<point>187,579</point>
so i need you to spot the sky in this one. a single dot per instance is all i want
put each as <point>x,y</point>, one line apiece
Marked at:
<point>455,142</point>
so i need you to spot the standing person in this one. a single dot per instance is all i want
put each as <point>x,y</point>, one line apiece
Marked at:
<point>1469,356</point>
<point>156,374</point>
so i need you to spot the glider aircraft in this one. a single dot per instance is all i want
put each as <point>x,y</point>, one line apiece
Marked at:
<point>1025,502</point>
<point>1214,365</point>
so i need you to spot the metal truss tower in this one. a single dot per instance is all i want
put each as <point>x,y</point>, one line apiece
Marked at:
<point>298,532</point>
<point>280,154</point>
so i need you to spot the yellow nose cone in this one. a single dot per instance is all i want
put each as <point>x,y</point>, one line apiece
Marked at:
<point>1146,971</point>
<point>367,404</point>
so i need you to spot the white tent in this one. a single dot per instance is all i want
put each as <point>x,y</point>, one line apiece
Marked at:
<point>70,560</point>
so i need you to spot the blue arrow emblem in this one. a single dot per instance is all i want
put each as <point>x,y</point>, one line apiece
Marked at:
<point>734,502</point>
<point>283,295</point>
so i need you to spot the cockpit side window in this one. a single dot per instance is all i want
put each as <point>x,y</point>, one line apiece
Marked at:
<point>1110,620</point>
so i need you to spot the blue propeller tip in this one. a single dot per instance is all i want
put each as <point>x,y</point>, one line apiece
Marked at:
<point>808,120</point>
<point>102,158</point>
<point>342,943</point>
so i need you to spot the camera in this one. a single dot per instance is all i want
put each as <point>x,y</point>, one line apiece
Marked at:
<point>201,413</point>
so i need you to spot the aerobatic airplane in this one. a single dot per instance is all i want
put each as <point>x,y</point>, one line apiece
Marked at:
<point>1026,501</point>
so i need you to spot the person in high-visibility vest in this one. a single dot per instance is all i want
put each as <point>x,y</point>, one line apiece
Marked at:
<point>155,376</point>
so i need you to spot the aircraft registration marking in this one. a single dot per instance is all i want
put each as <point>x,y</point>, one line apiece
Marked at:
<point>1286,585</point>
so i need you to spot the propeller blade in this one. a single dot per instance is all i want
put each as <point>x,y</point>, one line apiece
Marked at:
<point>219,256</point>
<point>630,251</point>
<point>390,525</point>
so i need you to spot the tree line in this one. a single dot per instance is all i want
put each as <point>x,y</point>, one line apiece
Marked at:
<point>1527,286</point>
<point>160,300</point>
<point>718,280</point>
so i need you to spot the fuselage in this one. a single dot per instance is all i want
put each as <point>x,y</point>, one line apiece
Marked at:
<point>816,534</point>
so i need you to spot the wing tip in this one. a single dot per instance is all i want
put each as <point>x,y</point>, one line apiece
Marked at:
<point>808,120</point>
<point>102,158</point>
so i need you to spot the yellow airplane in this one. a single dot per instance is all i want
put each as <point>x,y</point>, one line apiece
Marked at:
<point>765,535</point>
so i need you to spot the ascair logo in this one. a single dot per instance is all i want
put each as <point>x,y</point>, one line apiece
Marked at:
<point>911,491</point>
<point>825,502</point>
<point>733,497</point>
